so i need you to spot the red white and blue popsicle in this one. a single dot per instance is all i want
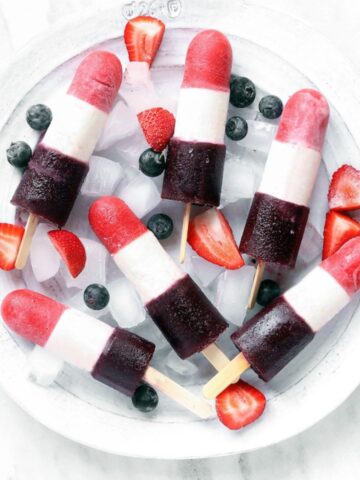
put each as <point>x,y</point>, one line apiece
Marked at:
<point>195,160</point>
<point>114,356</point>
<point>177,305</point>
<point>52,181</point>
<point>278,215</point>
<point>273,337</point>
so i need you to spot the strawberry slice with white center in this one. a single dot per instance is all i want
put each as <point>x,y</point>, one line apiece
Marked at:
<point>211,237</point>
<point>158,127</point>
<point>71,250</point>
<point>337,231</point>
<point>10,240</point>
<point>239,405</point>
<point>143,36</point>
<point>344,190</point>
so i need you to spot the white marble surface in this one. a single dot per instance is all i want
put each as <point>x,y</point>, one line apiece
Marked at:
<point>329,450</point>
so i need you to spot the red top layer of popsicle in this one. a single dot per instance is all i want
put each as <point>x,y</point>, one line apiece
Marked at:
<point>208,62</point>
<point>344,265</point>
<point>31,314</point>
<point>304,120</point>
<point>97,80</point>
<point>114,223</point>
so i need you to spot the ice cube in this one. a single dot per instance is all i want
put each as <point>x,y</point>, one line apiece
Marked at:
<point>319,202</point>
<point>128,151</point>
<point>95,267</point>
<point>45,260</point>
<point>125,304</point>
<point>311,246</point>
<point>232,293</point>
<point>259,136</point>
<point>140,194</point>
<point>43,367</point>
<point>138,88</point>
<point>241,177</point>
<point>236,214</point>
<point>121,123</point>
<point>179,367</point>
<point>205,271</point>
<point>78,221</point>
<point>103,177</point>
<point>150,331</point>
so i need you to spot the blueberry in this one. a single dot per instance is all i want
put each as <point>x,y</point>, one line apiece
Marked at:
<point>152,163</point>
<point>145,399</point>
<point>268,291</point>
<point>39,117</point>
<point>96,296</point>
<point>271,106</point>
<point>19,154</point>
<point>242,91</point>
<point>161,225</point>
<point>236,128</point>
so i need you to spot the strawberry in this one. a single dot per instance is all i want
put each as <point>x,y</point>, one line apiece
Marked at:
<point>142,36</point>
<point>10,240</point>
<point>344,190</point>
<point>338,230</point>
<point>158,126</point>
<point>71,250</point>
<point>210,235</point>
<point>239,405</point>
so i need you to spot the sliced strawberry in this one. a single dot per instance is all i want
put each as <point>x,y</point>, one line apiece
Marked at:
<point>10,240</point>
<point>211,237</point>
<point>158,126</point>
<point>142,37</point>
<point>337,231</point>
<point>71,250</point>
<point>239,404</point>
<point>344,190</point>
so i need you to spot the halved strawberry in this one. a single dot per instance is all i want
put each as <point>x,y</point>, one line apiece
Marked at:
<point>71,250</point>
<point>210,235</point>
<point>158,126</point>
<point>337,231</point>
<point>344,190</point>
<point>142,37</point>
<point>10,240</point>
<point>239,404</point>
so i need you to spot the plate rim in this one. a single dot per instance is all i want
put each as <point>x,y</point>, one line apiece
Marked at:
<point>109,15</point>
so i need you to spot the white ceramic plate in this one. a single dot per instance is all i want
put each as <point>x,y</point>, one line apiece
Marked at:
<point>281,55</point>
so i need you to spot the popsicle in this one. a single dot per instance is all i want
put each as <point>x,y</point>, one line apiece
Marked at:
<point>143,36</point>
<point>113,356</point>
<point>177,305</point>
<point>278,215</point>
<point>273,337</point>
<point>51,183</point>
<point>196,154</point>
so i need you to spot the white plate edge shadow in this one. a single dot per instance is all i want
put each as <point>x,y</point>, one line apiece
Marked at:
<point>345,102</point>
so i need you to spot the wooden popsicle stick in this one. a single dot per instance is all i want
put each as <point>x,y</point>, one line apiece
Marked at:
<point>24,249</point>
<point>184,232</point>
<point>226,376</point>
<point>259,273</point>
<point>179,394</point>
<point>215,356</point>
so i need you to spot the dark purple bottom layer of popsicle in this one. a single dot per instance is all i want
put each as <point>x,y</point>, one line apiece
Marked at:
<point>194,172</point>
<point>271,339</point>
<point>186,318</point>
<point>50,185</point>
<point>124,361</point>
<point>274,230</point>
